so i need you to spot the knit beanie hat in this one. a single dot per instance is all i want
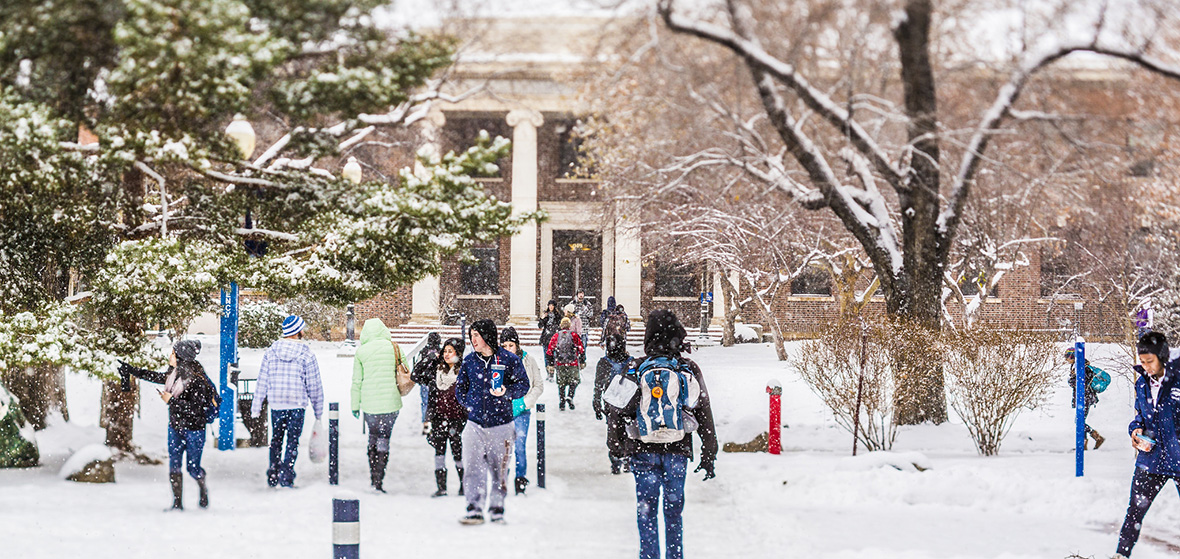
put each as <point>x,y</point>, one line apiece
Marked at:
<point>292,325</point>
<point>1154,343</point>
<point>565,323</point>
<point>187,350</point>
<point>487,331</point>
<point>509,335</point>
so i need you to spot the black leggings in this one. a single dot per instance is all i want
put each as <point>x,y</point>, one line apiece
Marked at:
<point>444,430</point>
<point>1144,488</point>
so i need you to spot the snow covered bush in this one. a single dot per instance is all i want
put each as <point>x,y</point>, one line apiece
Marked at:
<point>993,374</point>
<point>18,445</point>
<point>260,324</point>
<point>832,366</point>
<point>320,317</point>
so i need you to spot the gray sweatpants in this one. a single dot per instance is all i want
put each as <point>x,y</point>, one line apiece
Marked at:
<point>486,451</point>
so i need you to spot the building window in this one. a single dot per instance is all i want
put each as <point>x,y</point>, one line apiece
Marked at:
<point>571,159</point>
<point>461,133</point>
<point>676,280</point>
<point>481,276</point>
<point>812,282</point>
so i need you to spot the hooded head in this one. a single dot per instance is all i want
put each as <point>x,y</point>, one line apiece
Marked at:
<point>374,329</point>
<point>610,303</point>
<point>187,350</point>
<point>664,333</point>
<point>487,331</point>
<point>433,340</point>
<point>509,335</point>
<point>616,347</point>
<point>565,323</point>
<point>1154,343</point>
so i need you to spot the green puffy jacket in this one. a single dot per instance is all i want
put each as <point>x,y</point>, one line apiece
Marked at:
<point>374,377</point>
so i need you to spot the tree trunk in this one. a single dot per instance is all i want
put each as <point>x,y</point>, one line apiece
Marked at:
<point>921,392</point>
<point>40,390</point>
<point>766,309</point>
<point>728,338</point>
<point>118,412</point>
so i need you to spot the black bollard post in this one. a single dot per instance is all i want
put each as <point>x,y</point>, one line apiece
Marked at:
<point>541,445</point>
<point>346,529</point>
<point>333,443</point>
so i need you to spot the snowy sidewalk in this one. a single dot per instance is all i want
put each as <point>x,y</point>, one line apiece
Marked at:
<point>813,501</point>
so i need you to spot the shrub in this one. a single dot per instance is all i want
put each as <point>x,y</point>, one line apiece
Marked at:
<point>260,324</point>
<point>991,375</point>
<point>320,317</point>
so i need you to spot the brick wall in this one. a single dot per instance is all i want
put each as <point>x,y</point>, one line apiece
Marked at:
<point>392,308</point>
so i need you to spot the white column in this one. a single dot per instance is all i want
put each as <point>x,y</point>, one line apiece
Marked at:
<point>718,299</point>
<point>628,270</point>
<point>522,298</point>
<point>426,292</point>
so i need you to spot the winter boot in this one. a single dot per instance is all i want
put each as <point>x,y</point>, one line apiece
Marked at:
<point>474,516</point>
<point>1098,439</point>
<point>204,489</point>
<point>497,514</point>
<point>521,483</point>
<point>571,396</point>
<point>440,478</point>
<point>177,481</point>
<point>380,460</point>
<point>460,470</point>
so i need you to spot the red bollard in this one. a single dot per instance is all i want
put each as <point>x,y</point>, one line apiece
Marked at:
<point>775,389</point>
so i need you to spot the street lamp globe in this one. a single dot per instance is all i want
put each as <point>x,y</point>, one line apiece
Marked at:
<point>242,135</point>
<point>352,171</point>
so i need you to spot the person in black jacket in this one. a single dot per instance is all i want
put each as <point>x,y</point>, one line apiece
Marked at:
<point>1091,395</point>
<point>192,403</point>
<point>660,467</point>
<point>446,416</point>
<point>430,352</point>
<point>549,324</point>
<point>615,362</point>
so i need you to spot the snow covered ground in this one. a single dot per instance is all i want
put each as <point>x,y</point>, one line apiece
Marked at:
<point>814,500</point>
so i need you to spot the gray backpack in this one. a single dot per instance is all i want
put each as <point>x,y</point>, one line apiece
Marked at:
<point>565,351</point>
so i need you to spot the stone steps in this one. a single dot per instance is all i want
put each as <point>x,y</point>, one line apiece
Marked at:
<point>411,334</point>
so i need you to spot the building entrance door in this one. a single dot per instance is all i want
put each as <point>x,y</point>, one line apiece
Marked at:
<point>577,264</point>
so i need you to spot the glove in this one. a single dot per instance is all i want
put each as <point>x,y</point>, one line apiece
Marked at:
<point>356,414</point>
<point>124,376</point>
<point>706,464</point>
<point>518,407</point>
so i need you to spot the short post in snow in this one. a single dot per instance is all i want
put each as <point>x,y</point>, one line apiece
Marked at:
<point>346,529</point>
<point>1079,362</point>
<point>774,435</point>
<point>334,443</point>
<point>540,445</point>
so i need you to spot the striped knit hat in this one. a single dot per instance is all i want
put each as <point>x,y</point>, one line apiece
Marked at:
<point>292,325</point>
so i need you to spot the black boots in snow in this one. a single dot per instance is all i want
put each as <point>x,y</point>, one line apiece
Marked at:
<point>204,489</point>
<point>177,481</point>
<point>440,478</point>
<point>521,483</point>
<point>460,470</point>
<point>377,462</point>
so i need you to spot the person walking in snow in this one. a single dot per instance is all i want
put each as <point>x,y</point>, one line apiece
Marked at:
<point>490,379</point>
<point>1091,395</point>
<point>1153,433</point>
<point>447,417</point>
<point>660,467</point>
<point>375,393</point>
<point>614,363</point>
<point>431,352</point>
<point>192,404</point>
<point>522,407</point>
<point>288,379</point>
<point>549,324</point>
<point>583,308</point>
<point>575,321</point>
<point>568,353</point>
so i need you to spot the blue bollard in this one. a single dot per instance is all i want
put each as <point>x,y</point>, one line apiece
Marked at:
<point>540,445</point>
<point>333,443</point>
<point>1079,361</point>
<point>346,529</point>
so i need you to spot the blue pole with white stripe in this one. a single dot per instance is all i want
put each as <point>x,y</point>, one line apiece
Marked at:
<point>334,443</point>
<point>346,529</point>
<point>1079,363</point>
<point>540,445</point>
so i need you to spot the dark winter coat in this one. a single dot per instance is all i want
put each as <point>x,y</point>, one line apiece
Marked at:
<point>1160,421</point>
<point>187,411</point>
<point>549,324</point>
<point>1091,394</point>
<point>473,387</point>
<point>440,404</point>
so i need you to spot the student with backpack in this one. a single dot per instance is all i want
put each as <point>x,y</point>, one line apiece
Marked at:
<point>663,399</point>
<point>1096,381</point>
<point>614,363</point>
<point>568,354</point>
<point>192,404</point>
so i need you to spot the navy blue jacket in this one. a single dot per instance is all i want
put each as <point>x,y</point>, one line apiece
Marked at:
<point>1159,421</point>
<point>474,385</point>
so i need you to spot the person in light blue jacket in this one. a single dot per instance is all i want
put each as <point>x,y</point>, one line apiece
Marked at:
<point>1153,433</point>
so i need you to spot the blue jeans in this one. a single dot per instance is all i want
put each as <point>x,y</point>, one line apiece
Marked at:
<point>653,473</point>
<point>284,424</point>
<point>522,436</point>
<point>189,444</point>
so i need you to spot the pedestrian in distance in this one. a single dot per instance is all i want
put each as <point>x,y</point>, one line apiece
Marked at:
<point>374,393</point>
<point>447,417</point>
<point>568,354</point>
<point>192,403</point>
<point>431,352</point>
<point>549,324</point>
<point>288,380</point>
<point>1095,379</point>
<point>576,323</point>
<point>1153,433</point>
<point>522,407</point>
<point>606,311</point>
<point>614,363</point>
<point>663,399</point>
<point>490,379</point>
<point>583,308</point>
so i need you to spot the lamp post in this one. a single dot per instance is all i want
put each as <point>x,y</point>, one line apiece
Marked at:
<point>352,171</point>
<point>242,134</point>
